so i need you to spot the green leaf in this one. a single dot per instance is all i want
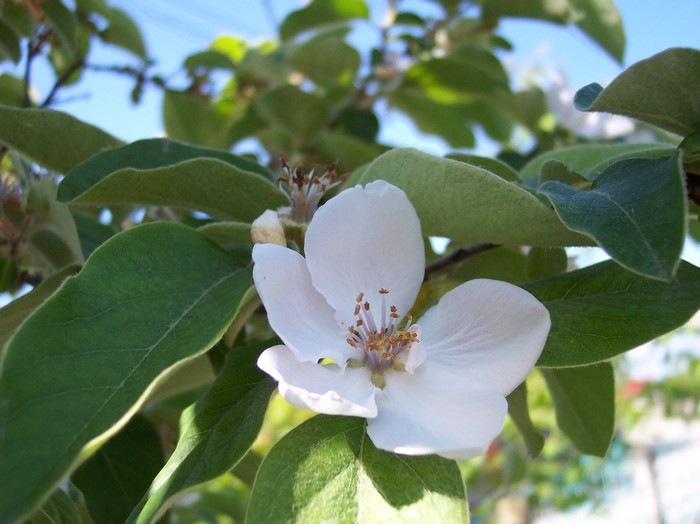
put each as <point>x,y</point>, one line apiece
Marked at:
<point>63,22</point>
<point>347,151</point>
<point>321,12</point>
<point>293,111</point>
<point>8,273</point>
<point>215,433</point>
<point>148,299</point>
<point>114,479</point>
<point>520,415</point>
<point>558,11</point>
<point>123,32</point>
<point>11,88</point>
<point>14,313</point>
<point>635,210</point>
<point>58,509</point>
<point>659,90</point>
<point>54,140</point>
<point>459,201</point>
<point>92,233</point>
<point>584,404</point>
<point>493,165</point>
<point>545,262</point>
<point>553,170</point>
<point>165,172</point>
<point>209,60</point>
<point>9,43</point>
<point>587,158</point>
<point>601,20</point>
<point>326,61</point>
<point>227,232</point>
<point>327,469</point>
<point>603,310</point>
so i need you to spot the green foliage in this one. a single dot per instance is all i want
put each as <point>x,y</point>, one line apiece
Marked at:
<point>180,281</point>
<point>321,12</point>
<point>335,473</point>
<point>658,90</point>
<point>519,413</point>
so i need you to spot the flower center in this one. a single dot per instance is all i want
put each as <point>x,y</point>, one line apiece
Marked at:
<point>385,345</point>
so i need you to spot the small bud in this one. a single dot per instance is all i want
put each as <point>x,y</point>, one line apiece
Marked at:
<point>268,229</point>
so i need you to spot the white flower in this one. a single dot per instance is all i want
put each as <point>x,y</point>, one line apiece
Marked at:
<point>434,386</point>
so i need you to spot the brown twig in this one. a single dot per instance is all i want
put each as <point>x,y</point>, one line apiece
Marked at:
<point>65,76</point>
<point>456,256</point>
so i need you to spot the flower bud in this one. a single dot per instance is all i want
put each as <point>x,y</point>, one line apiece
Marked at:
<point>268,229</point>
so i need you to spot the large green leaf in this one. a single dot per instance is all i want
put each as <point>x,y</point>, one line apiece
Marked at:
<point>148,299</point>
<point>215,433</point>
<point>584,403</point>
<point>58,509</point>
<point>326,61</point>
<point>63,22</point>
<point>660,90</point>
<point>52,139</point>
<point>321,12</point>
<point>163,172</point>
<point>14,313</point>
<point>122,31</point>
<point>113,480</point>
<point>460,201</point>
<point>603,310</point>
<point>293,111</point>
<point>9,43</point>
<point>635,210</point>
<point>327,470</point>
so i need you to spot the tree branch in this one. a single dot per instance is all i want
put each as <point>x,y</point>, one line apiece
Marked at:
<point>79,62</point>
<point>456,256</point>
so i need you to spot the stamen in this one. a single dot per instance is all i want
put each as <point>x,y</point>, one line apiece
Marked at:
<point>360,297</point>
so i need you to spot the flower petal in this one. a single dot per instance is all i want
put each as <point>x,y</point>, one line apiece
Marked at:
<point>491,333</point>
<point>428,412</point>
<point>296,311</point>
<point>324,389</point>
<point>361,241</point>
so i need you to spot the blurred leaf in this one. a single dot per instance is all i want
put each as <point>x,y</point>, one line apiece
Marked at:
<point>601,20</point>
<point>326,61</point>
<point>588,158</point>
<point>114,479</point>
<point>54,140</point>
<point>546,262</point>
<point>9,43</point>
<point>195,118</point>
<point>348,151</point>
<point>209,60</point>
<point>492,165</point>
<point>63,22</point>
<point>327,469</point>
<point>584,403</point>
<point>165,172</point>
<point>11,88</point>
<point>92,233</point>
<point>177,293</point>
<point>460,201</point>
<point>16,15</point>
<point>553,170</point>
<point>635,210</point>
<point>297,113</point>
<point>558,11</point>
<point>123,32</point>
<point>360,123</point>
<point>227,232</point>
<point>234,48</point>
<point>58,509</point>
<point>53,237</point>
<point>520,415</point>
<point>14,313</point>
<point>8,273</point>
<point>215,433</point>
<point>603,310</point>
<point>321,12</point>
<point>434,118</point>
<point>659,90</point>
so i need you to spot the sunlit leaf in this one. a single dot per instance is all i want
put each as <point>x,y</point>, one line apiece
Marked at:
<point>321,12</point>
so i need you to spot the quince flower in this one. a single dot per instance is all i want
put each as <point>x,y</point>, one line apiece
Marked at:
<point>436,385</point>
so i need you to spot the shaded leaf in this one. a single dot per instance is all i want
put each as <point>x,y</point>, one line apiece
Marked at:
<point>9,43</point>
<point>293,111</point>
<point>603,310</point>
<point>545,262</point>
<point>520,415</point>
<point>326,61</point>
<point>164,172</point>
<point>123,32</point>
<point>584,404</point>
<point>176,291</point>
<point>601,20</point>
<point>58,509</point>
<point>321,12</point>
<point>63,22</point>
<point>227,232</point>
<point>659,90</point>
<point>215,433</point>
<point>333,472</point>
<point>493,165</point>
<point>92,233</point>
<point>460,201</point>
<point>635,210</point>
<point>54,140</point>
<point>115,478</point>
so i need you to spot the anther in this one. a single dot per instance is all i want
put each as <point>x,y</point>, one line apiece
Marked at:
<point>383,291</point>
<point>366,304</point>
<point>360,297</point>
<point>357,310</point>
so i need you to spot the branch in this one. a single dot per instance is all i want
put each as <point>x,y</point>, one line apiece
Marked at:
<point>456,256</point>
<point>79,62</point>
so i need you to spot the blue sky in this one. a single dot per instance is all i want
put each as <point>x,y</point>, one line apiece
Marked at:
<point>174,29</point>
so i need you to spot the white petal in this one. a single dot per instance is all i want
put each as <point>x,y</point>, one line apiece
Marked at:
<point>491,333</point>
<point>361,241</point>
<point>296,311</point>
<point>429,413</point>
<point>324,389</point>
